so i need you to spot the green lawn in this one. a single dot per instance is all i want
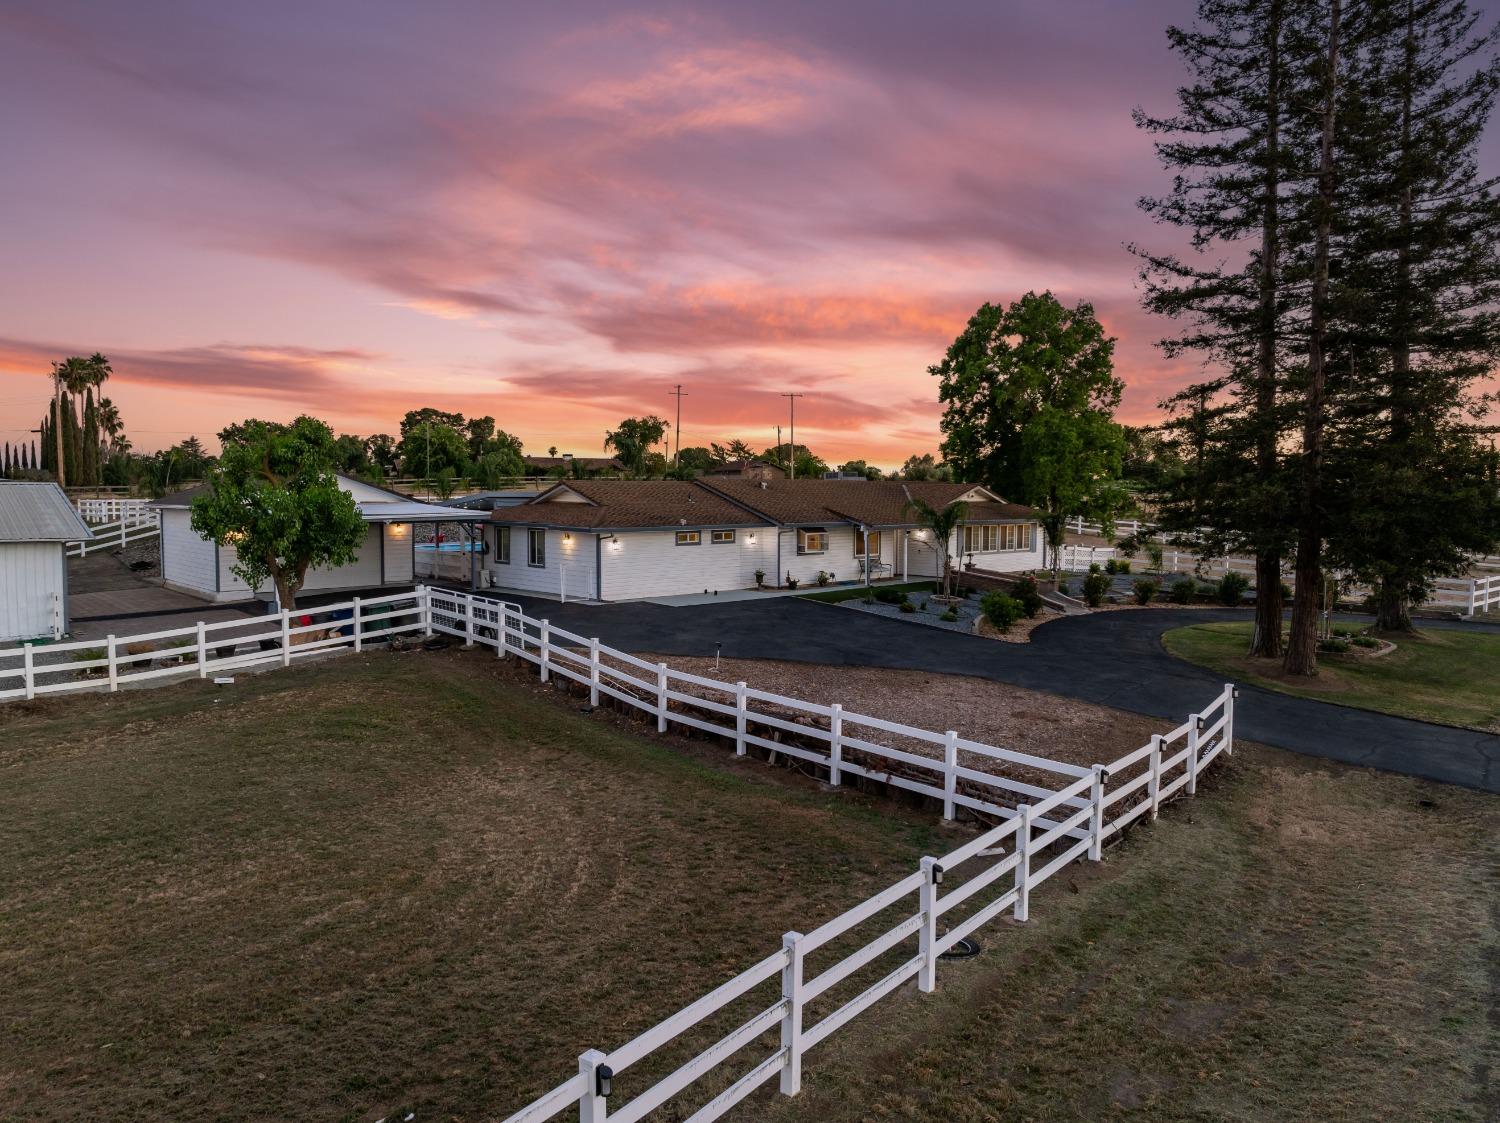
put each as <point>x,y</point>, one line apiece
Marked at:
<point>1436,675</point>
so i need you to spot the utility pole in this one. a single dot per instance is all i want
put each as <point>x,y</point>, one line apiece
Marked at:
<point>792,399</point>
<point>678,393</point>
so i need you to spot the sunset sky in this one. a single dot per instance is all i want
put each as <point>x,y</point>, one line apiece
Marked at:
<point>553,212</point>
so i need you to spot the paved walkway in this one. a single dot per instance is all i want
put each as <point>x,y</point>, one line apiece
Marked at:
<point>1111,659</point>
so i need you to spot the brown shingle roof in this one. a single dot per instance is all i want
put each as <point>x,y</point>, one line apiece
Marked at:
<point>625,504</point>
<point>809,502</point>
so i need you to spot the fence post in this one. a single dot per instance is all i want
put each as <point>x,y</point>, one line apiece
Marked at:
<point>286,637</point>
<point>546,650</point>
<point>359,638</point>
<point>114,667</point>
<point>791,1021</point>
<point>468,621</point>
<point>57,617</point>
<point>426,594</point>
<point>122,532</point>
<point>592,1107</point>
<point>502,640</point>
<point>932,877</point>
<point>1096,820</point>
<point>202,649</point>
<point>740,705</point>
<point>594,671</point>
<point>1230,694</point>
<point>836,745</point>
<point>950,772</point>
<point>1023,864</point>
<point>1154,788</point>
<point>28,670</point>
<point>1194,732</point>
<point>661,697</point>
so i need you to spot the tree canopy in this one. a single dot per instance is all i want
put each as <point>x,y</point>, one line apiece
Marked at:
<point>274,498</point>
<point>633,440</point>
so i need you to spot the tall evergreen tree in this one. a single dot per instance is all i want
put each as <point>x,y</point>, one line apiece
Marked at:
<point>1234,175</point>
<point>1414,491</point>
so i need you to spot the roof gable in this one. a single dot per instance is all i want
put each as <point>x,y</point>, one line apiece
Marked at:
<point>32,511</point>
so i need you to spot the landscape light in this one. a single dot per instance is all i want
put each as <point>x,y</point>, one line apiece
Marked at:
<point>604,1080</point>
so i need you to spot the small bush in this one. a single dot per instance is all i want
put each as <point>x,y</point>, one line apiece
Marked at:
<point>1109,567</point>
<point>1155,552</point>
<point>1094,568</point>
<point>1365,641</point>
<point>907,606</point>
<point>823,578</point>
<point>1062,586</point>
<point>1231,588</point>
<point>1002,611</point>
<point>1095,585</point>
<point>890,596</point>
<point>1122,567</point>
<point>1335,645</point>
<point>1145,589</point>
<point>1184,590</point>
<point>1028,594</point>
<point>950,617</point>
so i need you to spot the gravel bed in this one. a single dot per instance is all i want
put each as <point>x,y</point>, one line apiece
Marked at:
<point>968,612</point>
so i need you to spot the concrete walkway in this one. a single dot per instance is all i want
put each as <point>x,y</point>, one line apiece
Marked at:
<point>1111,659</point>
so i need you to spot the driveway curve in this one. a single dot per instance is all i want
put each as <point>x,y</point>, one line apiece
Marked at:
<point>1110,659</point>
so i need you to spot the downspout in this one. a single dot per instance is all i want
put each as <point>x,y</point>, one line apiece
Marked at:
<point>599,567</point>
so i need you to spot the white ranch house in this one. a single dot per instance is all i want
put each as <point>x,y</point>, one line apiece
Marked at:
<point>194,564</point>
<point>617,540</point>
<point>37,525</point>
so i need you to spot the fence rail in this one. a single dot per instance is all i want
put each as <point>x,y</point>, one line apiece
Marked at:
<point>818,981</point>
<point>116,509</point>
<point>116,535</point>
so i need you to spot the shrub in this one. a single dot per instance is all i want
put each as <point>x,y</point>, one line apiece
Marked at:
<point>1122,566</point>
<point>1094,568</point>
<point>890,596</point>
<point>1002,611</point>
<point>907,606</point>
<point>823,578</point>
<point>1184,590</point>
<point>951,616</point>
<point>1109,567</point>
<point>1062,586</point>
<point>1231,588</point>
<point>1028,594</point>
<point>1335,645</point>
<point>1145,589</point>
<point>1365,641</point>
<point>1095,585</point>
<point>1286,592</point>
<point>1157,555</point>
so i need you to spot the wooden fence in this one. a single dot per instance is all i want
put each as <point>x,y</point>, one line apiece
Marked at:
<point>117,535</point>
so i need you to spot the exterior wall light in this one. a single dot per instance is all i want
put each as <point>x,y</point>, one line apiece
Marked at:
<point>567,536</point>
<point>604,1078</point>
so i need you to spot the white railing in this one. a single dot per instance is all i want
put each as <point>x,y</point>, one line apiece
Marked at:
<point>814,972</point>
<point>116,535</point>
<point>203,649</point>
<point>1057,827</point>
<point>116,509</point>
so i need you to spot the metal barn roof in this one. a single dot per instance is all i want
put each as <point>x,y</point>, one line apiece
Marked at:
<point>38,512</point>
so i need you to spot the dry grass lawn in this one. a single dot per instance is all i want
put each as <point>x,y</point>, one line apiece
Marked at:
<point>425,883</point>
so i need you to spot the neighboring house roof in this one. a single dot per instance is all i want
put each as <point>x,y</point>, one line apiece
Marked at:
<point>644,504</point>
<point>376,504</point>
<point>38,512</point>
<point>735,467</point>
<point>627,505</point>
<point>594,463</point>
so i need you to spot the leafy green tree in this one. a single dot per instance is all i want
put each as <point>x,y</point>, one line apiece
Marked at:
<point>809,465</point>
<point>1029,396</point>
<point>383,453</point>
<point>694,460</point>
<point>735,449</point>
<point>430,445</point>
<point>633,440</point>
<point>925,467</point>
<point>860,468</point>
<point>274,497</point>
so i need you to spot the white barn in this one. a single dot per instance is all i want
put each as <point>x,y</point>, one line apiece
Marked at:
<point>194,564</point>
<point>37,524</point>
<point>612,540</point>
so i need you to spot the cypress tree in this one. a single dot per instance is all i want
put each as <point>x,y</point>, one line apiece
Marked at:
<point>68,426</point>
<point>89,449</point>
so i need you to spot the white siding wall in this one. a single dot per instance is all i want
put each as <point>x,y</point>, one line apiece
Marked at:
<point>362,573</point>
<point>31,574</point>
<point>577,556</point>
<point>187,560</point>
<point>839,559</point>
<point>924,559</point>
<point>398,555</point>
<point>649,563</point>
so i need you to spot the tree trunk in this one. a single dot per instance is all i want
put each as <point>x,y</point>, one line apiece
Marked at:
<point>1302,645</point>
<point>1266,638</point>
<point>1392,612</point>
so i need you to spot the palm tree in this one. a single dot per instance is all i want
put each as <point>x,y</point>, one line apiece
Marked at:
<point>73,376</point>
<point>942,521</point>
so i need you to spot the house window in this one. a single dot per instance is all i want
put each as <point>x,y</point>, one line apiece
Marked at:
<point>536,548</point>
<point>813,541</point>
<point>867,544</point>
<point>973,539</point>
<point>502,545</point>
<point>689,537</point>
<point>722,536</point>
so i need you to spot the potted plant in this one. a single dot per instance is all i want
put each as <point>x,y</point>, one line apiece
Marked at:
<point>824,578</point>
<point>760,578</point>
<point>791,582</point>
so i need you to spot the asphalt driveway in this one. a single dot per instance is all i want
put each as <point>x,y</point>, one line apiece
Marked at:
<point>1111,659</point>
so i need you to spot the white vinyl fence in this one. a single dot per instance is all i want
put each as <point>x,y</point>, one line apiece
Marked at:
<point>203,650</point>
<point>116,535</point>
<point>116,509</point>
